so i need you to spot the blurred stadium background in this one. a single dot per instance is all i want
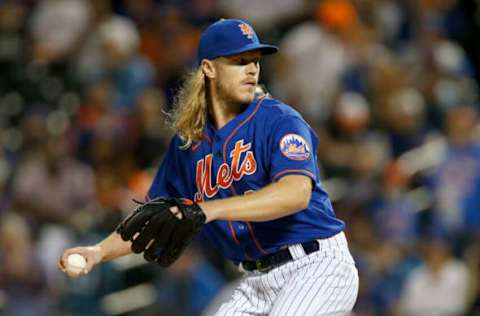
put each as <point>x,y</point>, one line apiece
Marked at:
<point>391,87</point>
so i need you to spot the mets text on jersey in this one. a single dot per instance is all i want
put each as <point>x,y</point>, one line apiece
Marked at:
<point>226,173</point>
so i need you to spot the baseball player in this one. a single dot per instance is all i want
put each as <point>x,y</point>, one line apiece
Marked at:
<point>242,170</point>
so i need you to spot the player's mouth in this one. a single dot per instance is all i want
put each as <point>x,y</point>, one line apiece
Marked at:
<point>252,83</point>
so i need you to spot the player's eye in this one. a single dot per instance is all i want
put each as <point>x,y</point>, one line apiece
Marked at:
<point>246,61</point>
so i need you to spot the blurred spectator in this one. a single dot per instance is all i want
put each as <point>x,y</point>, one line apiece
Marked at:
<point>111,53</point>
<point>264,14</point>
<point>372,156</point>
<point>442,17</point>
<point>447,79</point>
<point>102,131</point>
<point>315,59</point>
<point>34,129</point>
<point>383,268</point>
<point>117,184</point>
<point>57,26</point>
<point>88,60</point>
<point>456,181</point>
<point>405,120</point>
<point>354,151</point>
<point>389,18</point>
<point>348,124</point>
<point>204,12</point>
<point>22,278</point>
<point>394,212</point>
<point>189,286</point>
<point>170,43</point>
<point>472,258</point>
<point>153,134</point>
<point>130,73</point>
<point>391,267</point>
<point>361,232</point>
<point>13,43</point>
<point>6,172</point>
<point>52,187</point>
<point>440,276</point>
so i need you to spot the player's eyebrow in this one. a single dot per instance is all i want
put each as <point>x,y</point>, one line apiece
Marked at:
<point>245,59</point>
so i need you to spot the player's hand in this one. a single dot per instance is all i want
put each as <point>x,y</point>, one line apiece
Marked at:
<point>162,228</point>
<point>92,255</point>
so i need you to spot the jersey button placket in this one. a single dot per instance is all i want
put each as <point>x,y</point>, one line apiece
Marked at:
<point>217,150</point>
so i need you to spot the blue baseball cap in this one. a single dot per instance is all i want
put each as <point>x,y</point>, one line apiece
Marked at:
<point>228,37</point>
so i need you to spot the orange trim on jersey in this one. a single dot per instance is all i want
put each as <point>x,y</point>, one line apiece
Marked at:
<point>250,229</point>
<point>293,170</point>
<point>195,147</point>
<point>205,135</point>
<point>238,127</point>
<point>233,232</point>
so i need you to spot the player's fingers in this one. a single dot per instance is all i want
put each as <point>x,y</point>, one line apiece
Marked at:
<point>63,259</point>
<point>176,211</point>
<point>175,247</point>
<point>153,252</point>
<point>148,233</point>
<point>61,265</point>
<point>165,233</point>
<point>91,254</point>
<point>89,266</point>
<point>135,224</point>
<point>162,239</point>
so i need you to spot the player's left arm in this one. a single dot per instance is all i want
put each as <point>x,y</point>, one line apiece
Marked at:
<point>292,166</point>
<point>282,198</point>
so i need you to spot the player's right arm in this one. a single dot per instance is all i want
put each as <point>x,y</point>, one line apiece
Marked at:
<point>113,246</point>
<point>108,249</point>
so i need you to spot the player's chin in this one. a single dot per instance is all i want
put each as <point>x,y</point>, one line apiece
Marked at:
<point>247,95</point>
<point>247,99</point>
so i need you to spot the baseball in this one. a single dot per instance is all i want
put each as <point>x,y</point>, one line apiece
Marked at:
<point>75,265</point>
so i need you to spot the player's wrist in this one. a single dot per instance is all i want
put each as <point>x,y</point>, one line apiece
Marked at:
<point>210,213</point>
<point>98,252</point>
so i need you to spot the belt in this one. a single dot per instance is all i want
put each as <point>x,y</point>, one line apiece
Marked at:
<point>268,262</point>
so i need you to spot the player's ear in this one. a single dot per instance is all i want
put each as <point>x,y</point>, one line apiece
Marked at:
<point>208,68</point>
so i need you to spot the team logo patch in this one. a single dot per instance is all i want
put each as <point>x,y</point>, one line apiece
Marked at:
<point>246,30</point>
<point>294,146</point>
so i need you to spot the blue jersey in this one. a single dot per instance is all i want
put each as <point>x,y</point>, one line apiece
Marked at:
<point>264,143</point>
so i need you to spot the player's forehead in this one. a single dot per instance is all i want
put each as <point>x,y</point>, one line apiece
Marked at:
<point>253,54</point>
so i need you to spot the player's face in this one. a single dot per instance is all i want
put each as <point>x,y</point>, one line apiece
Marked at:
<point>237,77</point>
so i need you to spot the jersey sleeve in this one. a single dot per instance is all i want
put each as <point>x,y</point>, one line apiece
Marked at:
<point>293,148</point>
<point>163,185</point>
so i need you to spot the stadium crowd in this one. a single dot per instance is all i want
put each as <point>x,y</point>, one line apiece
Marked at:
<point>390,86</point>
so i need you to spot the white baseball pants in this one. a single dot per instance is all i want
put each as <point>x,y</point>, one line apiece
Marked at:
<point>324,282</point>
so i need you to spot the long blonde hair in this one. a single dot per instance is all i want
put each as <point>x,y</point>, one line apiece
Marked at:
<point>189,114</point>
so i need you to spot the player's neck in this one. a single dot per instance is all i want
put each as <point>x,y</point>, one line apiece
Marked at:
<point>222,112</point>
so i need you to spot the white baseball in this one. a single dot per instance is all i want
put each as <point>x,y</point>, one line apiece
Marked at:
<point>75,265</point>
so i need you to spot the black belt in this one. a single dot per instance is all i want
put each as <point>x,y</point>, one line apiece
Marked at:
<point>268,262</point>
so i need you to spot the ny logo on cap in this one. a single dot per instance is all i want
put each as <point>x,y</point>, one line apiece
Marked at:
<point>246,30</point>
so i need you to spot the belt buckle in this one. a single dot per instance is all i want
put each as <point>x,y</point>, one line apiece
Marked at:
<point>261,268</point>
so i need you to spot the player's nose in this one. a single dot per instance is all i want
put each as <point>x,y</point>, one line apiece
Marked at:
<point>252,68</point>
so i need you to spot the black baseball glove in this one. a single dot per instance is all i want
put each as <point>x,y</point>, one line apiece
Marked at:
<point>162,236</point>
